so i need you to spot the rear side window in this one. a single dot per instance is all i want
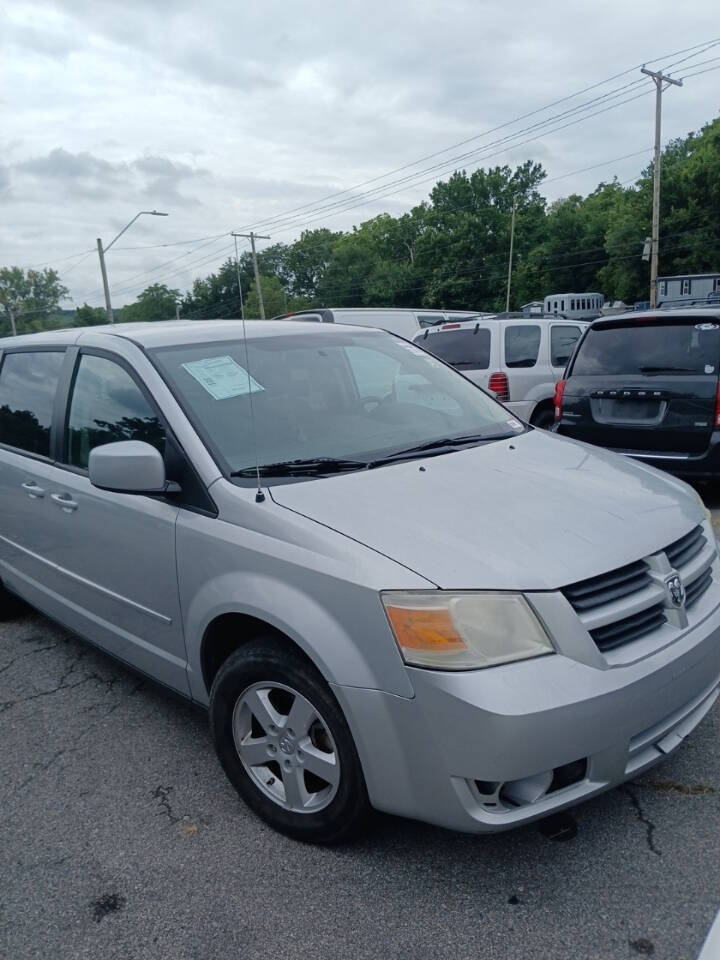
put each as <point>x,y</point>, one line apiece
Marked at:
<point>107,405</point>
<point>466,349</point>
<point>562,343</point>
<point>650,348</point>
<point>522,345</point>
<point>28,382</point>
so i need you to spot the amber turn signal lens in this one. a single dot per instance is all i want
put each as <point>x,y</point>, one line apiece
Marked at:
<point>430,630</point>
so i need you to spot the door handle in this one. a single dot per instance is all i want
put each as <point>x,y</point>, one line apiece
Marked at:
<point>64,501</point>
<point>33,490</point>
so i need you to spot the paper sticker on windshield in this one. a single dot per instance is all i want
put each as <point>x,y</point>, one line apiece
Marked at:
<point>709,368</point>
<point>222,377</point>
<point>706,326</point>
<point>515,424</point>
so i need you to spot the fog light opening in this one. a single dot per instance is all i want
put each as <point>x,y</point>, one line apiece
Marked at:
<point>487,788</point>
<point>520,793</point>
<point>568,774</point>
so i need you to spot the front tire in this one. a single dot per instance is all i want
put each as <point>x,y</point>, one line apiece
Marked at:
<point>285,745</point>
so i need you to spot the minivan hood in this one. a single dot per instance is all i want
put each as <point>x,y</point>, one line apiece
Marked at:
<point>533,513</point>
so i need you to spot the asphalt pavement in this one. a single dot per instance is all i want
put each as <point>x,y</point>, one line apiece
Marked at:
<point>121,838</point>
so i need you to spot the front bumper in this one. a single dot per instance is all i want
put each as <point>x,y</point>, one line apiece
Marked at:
<point>445,755</point>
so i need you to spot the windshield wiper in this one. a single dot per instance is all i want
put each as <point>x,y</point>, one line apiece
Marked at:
<point>666,369</point>
<point>314,466</point>
<point>431,447</point>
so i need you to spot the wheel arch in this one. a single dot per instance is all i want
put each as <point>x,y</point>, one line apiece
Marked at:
<point>230,631</point>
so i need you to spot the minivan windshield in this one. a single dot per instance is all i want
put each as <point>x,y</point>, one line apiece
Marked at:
<point>326,400</point>
<point>642,347</point>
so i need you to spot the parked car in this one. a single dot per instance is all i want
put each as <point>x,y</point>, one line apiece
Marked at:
<point>404,323</point>
<point>646,385</point>
<point>519,360</point>
<point>387,594</point>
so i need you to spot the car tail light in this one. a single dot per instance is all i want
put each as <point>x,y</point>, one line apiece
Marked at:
<point>498,383</point>
<point>717,406</point>
<point>450,326</point>
<point>559,391</point>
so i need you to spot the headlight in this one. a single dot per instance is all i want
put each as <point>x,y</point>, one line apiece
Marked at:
<point>464,631</point>
<point>702,505</point>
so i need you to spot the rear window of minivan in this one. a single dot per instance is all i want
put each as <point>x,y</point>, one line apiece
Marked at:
<point>644,347</point>
<point>468,349</point>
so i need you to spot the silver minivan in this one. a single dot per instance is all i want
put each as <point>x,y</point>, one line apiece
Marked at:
<point>387,591</point>
<point>519,360</point>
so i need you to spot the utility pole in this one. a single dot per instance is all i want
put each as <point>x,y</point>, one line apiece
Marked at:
<point>103,250</point>
<point>252,237</point>
<point>177,311</point>
<point>12,320</point>
<point>106,288</point>
<point>510,259</point>
<point>237,270</point>
<point>658,79</point>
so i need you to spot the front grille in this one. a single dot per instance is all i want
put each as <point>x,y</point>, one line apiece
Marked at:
<point>694,590</point>
<point>588,594</point>
<point>682,551</point>
<point>632,601</point>
<point>629,628</point>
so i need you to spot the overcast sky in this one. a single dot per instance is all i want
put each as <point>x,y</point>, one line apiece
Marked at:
<point>224,114</point>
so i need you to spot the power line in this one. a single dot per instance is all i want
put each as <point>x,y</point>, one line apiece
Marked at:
<point>316,206</point>
<point>705,45</point>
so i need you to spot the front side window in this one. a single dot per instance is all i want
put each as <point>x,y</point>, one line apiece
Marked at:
<point>522,345</point>
<point>107,405</point>
<point>562,343</point>
<point>335,394</point>
<point>28,382</point>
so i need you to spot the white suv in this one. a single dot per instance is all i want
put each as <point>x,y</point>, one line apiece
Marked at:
<point>518,360</point>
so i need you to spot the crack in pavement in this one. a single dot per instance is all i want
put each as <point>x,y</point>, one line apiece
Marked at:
<point>62,684</point>
<point>163,795</point>
<point>640,813</point>
<point>23,656</point>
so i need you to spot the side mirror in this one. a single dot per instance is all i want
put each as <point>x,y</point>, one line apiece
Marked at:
<point>128,466</point>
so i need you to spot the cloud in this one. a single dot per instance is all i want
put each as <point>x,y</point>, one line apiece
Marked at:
<point>83,175</point>
<point>226,113</point>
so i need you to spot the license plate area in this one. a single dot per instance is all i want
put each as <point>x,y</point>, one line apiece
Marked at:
<point>626,410</point>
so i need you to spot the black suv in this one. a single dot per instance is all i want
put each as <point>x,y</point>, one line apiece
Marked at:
<point>647,385</point>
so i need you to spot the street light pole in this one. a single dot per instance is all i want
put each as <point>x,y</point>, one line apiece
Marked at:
<point>103,250</point>
<point>658,79</point>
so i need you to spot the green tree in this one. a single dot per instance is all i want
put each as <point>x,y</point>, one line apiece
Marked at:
<point>217,295</point>
<point>30,297</point>
<point>274,299</point>
<point>87,316</point>
<point>156,302</point>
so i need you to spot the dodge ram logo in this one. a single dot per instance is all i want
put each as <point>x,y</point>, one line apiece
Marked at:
<point>675,590</point>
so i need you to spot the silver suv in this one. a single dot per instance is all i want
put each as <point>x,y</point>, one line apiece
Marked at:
<point>387,592</point>
<point>519,360</point>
